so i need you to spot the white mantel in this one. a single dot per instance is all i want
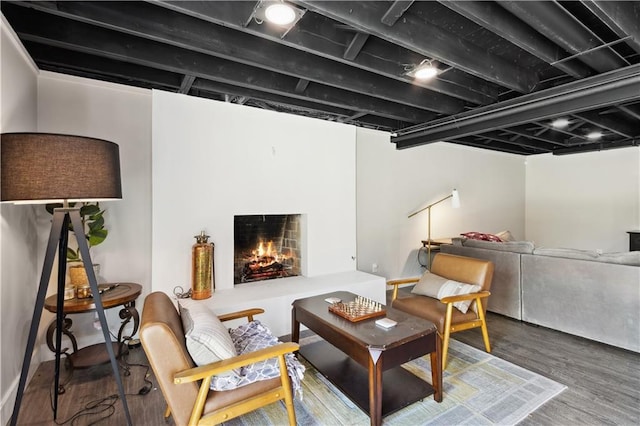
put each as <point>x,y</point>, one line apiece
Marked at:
<point>276,296</point>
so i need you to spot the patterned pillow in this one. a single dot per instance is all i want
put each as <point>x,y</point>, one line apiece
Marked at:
<point>432,285</point>
<point>482,236</point>
<point>251,337</point>
<point>207,339</point>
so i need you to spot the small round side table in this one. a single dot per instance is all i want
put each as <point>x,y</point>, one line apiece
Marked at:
<point>113,294</point>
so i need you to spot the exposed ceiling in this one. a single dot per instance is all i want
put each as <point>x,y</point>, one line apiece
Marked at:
<point>506,68</point>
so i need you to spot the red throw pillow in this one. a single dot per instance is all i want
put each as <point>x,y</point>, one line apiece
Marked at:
<point>482,236</point>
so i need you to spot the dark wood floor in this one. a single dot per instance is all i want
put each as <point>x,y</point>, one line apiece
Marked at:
<point>603,382</point>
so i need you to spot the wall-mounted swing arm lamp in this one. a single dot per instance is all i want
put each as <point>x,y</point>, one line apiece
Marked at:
<point>38,168</point>
<point>455,203</point>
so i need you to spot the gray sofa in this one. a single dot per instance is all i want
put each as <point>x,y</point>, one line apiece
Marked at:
<point>596,296</point>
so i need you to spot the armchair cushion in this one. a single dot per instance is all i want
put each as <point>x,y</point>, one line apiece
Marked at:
<point>435,286</point>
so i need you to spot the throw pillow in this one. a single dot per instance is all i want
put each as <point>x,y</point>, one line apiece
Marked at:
<point>438,287</point>
<point>207,339</point>
<point>454,288</point>
<point>429,285</point>
<point>251,337</point>
<point>482,236</point>
<point>505,236</point>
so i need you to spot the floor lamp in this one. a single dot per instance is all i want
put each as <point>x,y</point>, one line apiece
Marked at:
<point>44,168</point>
<point>455,203</point>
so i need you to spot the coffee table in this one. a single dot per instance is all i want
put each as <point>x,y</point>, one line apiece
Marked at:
<point>364,360</point>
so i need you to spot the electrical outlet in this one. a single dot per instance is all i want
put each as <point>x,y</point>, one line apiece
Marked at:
<point>374,267</point>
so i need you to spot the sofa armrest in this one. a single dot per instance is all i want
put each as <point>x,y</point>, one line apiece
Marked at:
<point>202,372</point>
<point>470,296</point>
<point>396,283</point>
<point>248,313</point>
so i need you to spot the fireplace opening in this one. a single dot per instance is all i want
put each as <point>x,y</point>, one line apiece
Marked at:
<point>266,247</point>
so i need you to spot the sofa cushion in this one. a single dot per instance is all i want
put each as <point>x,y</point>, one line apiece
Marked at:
<point>568,253</point>
<point>513,246</point>
<point>435,286</point>
<point>622,258</point>
<point>430,309</point>
<point>207,339</point>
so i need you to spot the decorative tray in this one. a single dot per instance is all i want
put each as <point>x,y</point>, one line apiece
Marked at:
<point>359,309</point>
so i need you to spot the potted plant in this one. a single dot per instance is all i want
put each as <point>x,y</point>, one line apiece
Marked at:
<point>92,218</point>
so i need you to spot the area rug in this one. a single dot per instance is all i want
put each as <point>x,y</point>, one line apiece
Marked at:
<point>479,388</point>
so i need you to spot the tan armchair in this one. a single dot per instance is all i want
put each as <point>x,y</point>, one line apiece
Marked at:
<point>442,312</point>
<point>193,403</point>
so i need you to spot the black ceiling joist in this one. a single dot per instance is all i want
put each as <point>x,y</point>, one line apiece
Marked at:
<point>507,68</point>
<point>428,40</point>
<point>594,92</point>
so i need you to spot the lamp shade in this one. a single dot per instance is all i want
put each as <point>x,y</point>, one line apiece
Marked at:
<point>455,199</point>
<point>45,167</point>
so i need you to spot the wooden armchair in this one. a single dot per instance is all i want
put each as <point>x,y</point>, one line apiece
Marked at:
<point>191,403</point>
<point>442,312</point>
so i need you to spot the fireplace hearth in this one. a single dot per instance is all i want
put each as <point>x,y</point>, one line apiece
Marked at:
<point>266,247</point>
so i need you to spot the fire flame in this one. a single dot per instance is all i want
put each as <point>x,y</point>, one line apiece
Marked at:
<point>267,255</point>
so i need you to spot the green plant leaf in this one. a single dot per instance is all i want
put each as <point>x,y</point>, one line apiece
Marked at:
<point>72,255</point>
<point>97,236</point>
<point>96,224</point>
<point>92,222</point>
<point>89,209</point>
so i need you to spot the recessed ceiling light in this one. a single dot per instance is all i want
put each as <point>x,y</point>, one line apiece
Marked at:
<point>594,135</point>
<point>280,14</point>
<point>425,72</point>
<point>560,123</point>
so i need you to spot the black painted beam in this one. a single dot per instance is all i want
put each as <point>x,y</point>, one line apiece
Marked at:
<point>521,133</point>
<point>555,23</point>
<point>165,26</point>
<point>321,36</point>
<point>616,125</point>
<point>525,142</point>
<point>86,65</point>
<point>631,110</point>
<point>250,93</point>
<point>395,11</point>
<point>496,19</point>
<point>355,46</point>
<point>494,146</point>
<point>56,31</point>
<point>433,42</point>
<point>601,146</point>
<point>302,85</point>
<point>623,17</point>
<point>187,82</point>
<point>583,95</point>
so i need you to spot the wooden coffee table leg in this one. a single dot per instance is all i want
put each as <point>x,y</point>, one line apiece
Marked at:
<point>375,388</point>
<point>436,369</point>
<point>295,327</point>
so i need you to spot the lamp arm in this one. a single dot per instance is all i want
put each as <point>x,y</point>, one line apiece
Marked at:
<point>430,205</point>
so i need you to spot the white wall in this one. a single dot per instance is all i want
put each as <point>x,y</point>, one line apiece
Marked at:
<point>214,160</point>
<point>18,239</point>
<point>585,201</point>
<point>122,115</point>
<point>391,184</point>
